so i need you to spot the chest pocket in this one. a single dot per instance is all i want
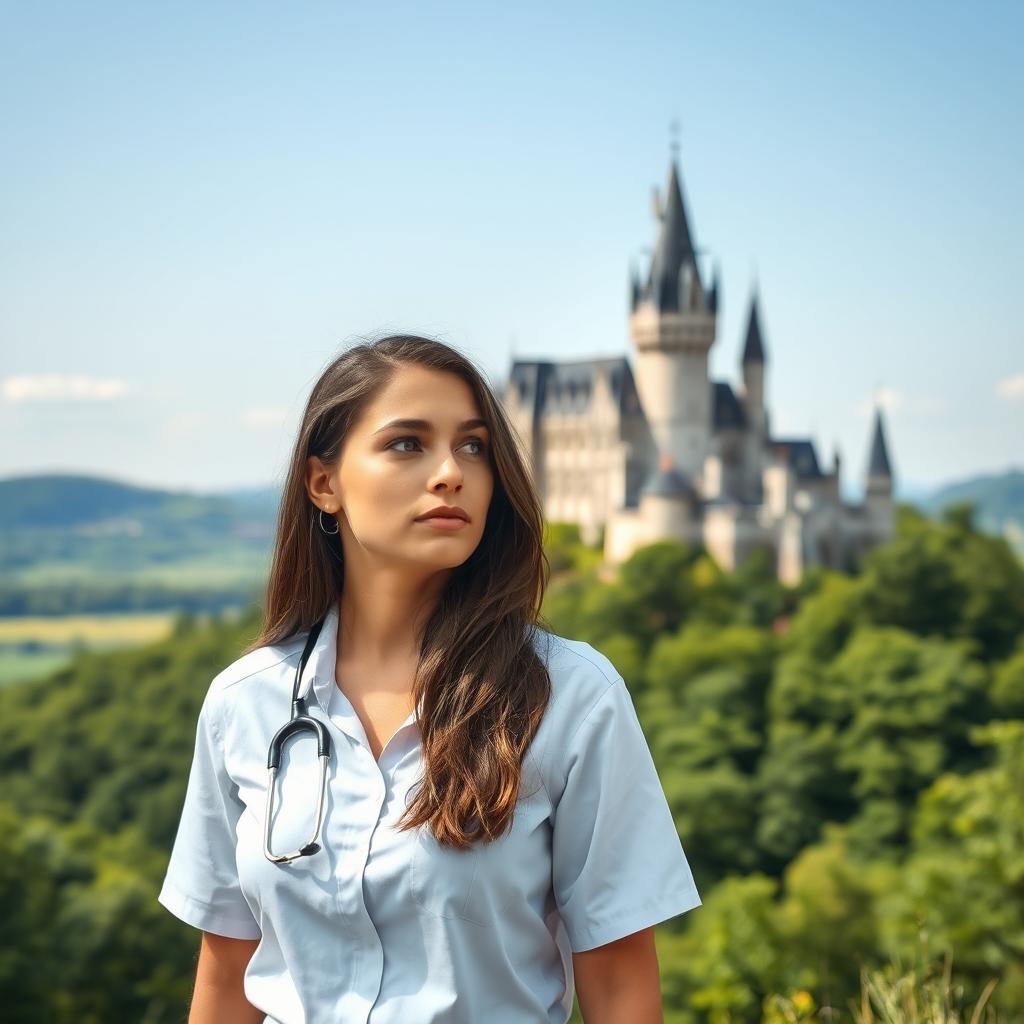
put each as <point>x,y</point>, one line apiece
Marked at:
<point>477,884</point>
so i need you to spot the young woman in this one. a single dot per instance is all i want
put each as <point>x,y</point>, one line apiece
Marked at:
<point>492,830</point>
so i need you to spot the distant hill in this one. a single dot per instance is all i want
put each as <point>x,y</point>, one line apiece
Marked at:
<point>71,543</point>
<point>74,543</point>
<point>67,500</point>
<point>998,500</point>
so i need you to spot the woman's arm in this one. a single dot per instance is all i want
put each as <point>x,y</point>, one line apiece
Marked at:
<point>620,983</point>
<point>218,997</point>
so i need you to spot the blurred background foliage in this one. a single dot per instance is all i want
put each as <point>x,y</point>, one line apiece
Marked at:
<point>844,760</point>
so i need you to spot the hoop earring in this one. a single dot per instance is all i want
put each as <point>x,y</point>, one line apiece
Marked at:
<point>330,533</point>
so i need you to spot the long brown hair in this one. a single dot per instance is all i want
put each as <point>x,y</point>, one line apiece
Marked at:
<point>483,687</point>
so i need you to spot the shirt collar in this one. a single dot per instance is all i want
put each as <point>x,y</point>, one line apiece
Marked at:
<point>322,668</point>
<point>322,661</point>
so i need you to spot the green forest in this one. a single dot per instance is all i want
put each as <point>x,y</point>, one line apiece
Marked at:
<point>844,760</point>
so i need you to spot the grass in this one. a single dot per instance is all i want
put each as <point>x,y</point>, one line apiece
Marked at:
<point>892,995</point>
<point>888,997</point>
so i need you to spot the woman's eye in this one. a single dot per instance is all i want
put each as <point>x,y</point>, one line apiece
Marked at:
<point>402,440</point>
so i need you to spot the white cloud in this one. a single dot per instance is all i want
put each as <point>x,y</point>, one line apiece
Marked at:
<point>1011,388</point>
<point>265,416</point>
<point>56,387</point>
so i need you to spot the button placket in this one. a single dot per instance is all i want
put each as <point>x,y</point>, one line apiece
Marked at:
<point>369,806</point>
<point>361,786</point>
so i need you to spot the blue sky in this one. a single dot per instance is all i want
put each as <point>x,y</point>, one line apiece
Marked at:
<point>203,203</point>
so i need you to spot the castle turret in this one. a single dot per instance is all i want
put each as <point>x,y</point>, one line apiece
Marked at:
<point>879,475</point>
<point>672,326</point>
<point>878,487</point>
<point>715,294</point>
<point>752,397</point>
<point>635,287</point>
<point>668,501</point>
<point>752,365</point>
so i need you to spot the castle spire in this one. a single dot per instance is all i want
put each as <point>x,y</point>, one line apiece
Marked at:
<point>634,286</point>
<point>674,251</point>
<point>715,294</point>
<point>753,347</point>
<point>878,462</point>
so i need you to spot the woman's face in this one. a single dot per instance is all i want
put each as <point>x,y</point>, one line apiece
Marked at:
<point>390,474</point>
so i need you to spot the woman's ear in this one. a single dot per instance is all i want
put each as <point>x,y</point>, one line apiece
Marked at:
<point>318,486</point>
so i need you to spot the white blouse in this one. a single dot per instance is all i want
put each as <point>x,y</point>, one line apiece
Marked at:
<point>389,927</point>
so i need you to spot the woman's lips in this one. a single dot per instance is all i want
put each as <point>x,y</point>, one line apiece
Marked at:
<point>444,522</point>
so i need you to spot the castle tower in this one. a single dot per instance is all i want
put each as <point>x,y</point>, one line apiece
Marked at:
<point>752,366</point>
<point>878,489</point>
<point>672,326</point>
<point>752,395</point>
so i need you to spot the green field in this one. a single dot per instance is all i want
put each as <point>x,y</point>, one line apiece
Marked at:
<point>33,646</point>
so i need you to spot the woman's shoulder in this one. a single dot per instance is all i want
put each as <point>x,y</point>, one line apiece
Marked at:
<point>271,659</point>
<point>580,674</point>
<point>581,677</point>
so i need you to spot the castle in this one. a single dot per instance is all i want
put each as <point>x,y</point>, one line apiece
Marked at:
<point>659,450</point>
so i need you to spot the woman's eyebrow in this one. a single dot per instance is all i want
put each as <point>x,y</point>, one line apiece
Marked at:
<point>427,425</point>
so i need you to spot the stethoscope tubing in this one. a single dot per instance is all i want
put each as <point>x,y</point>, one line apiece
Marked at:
<point>299,721</point>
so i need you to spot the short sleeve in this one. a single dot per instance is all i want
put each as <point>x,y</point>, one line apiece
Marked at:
<point>201,883</point>
<point>617,862</point>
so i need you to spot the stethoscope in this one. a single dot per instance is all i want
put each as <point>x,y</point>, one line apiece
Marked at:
<point>300,721</point>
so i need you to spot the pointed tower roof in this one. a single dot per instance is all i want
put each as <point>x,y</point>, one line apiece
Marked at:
<point>753,347</point>
<point>674,249</point>
<point>635,289</point>
<point>715,294</point>
<point>668,481</point>
<point>878,462</point>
